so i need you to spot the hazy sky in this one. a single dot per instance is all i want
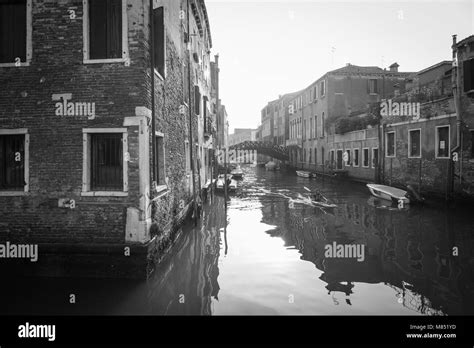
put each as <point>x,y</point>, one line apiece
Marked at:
<point>268,48</point>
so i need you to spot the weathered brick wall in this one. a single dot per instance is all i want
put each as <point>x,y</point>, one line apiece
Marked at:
<point>55,141</point>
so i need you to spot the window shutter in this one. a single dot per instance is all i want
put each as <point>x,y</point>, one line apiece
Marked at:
<point>97,29</point>
<point>467,74</point>
<point>114,28</point>
<point>159,40</point>
<point>12,31</point>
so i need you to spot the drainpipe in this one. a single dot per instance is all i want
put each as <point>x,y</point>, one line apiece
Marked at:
<point>456,83</point>
<point>152,73</point>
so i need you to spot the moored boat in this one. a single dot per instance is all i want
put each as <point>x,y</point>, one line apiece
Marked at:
<point>303,173</point>
<point>389,193</point>
<point>231,183</point>
<point>237,173</point>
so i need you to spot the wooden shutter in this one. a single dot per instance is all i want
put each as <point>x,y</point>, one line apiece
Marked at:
<point>114,28</point>
<point>468,71</point>
<point>159,40</point>
<point>12,30</point>
<point>105,29</point>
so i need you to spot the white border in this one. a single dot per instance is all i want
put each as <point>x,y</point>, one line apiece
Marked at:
<point>437,142</point>
<point>86,162</point>
<point>368,157</point>
<point>85,33</point>
<point>409,142</point>
<point>372,158</point>
<point>29,44</point>
<point>26,164</point>
<point>394,144</point>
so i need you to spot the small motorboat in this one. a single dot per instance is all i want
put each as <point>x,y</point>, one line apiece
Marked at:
<point>237,173</point>
<point>318,199</point>
<point>389,193</point>
<point>303,173</point>
<point>270,166</point>
<point>231,183</point>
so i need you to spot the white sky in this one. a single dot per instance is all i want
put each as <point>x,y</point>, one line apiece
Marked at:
<point>267,48</point>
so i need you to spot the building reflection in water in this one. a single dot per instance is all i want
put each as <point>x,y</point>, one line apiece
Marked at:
<point>410,251</point>
<point>188,284</point>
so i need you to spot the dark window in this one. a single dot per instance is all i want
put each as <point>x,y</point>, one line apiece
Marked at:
<point>12,163</point>
<point>372,86</point>
<point>310,155</point>
<point>322,125</point>
<point>105,29</point>
<point>323,88</point>
<point>159,40</point>
<point>197,100</point>
<point>442,137</point>
<point>12,30</point>
<point>356,157</point>
<point>160,163</point>
<point>204,109</point>
<point>468,73</point>
<point>375,157</point>
<point>304,155</point>
<point>390,145</point>
<point>415,141</point>
<point>472,143</point>
<point>349,160</point>
<point>315,156</point>
<point>106,162</point>
<point>365,157</point>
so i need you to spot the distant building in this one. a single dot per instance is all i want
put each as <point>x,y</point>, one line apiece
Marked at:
<point>242,134</point>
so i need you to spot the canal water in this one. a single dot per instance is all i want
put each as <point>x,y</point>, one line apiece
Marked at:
<point>263,253</point>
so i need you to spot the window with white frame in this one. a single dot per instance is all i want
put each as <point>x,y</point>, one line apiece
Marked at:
<point>14,161</point>
<point>105,31</point>
<point>390,144</point>
<point>442,142</point>
<point>105,162</point>
<point>375,157</point>
<point>322,88</point>
<point>15,32</point>
<point>372,86</point>
<point>349,159</point>
<point>160,159</point>
<point>365,157</point>
<point>356,157</point>
<point>414,143</point>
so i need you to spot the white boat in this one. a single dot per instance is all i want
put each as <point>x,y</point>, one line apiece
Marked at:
<point>389,193</point>
<point>237,173</point>
<point>232,186</point>
<point>270,166</point>
<point>303,173</point>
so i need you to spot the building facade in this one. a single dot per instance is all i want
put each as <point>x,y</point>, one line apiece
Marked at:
<point>88,161</point>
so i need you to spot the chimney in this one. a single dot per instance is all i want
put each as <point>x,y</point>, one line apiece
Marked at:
<point>394,67</point>
<point>348,64</point>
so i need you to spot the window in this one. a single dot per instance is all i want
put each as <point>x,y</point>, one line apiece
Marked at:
<point>13,161</point>
<point>323,88</point>
<point>442,142</point>
<point>375,157</point>
<point>187,154</point>
<point>322,125</point>
<point>159,41</point>
<point>356,157</point>
<point>105,31</point>
<point>197,100</point>
<point>468,73</point>
<point>349,159</point>
<point>311,128</point>
<point>305,130</point>
<point>390,145</point>
<point>310,154</point>
<point>105,162</point>
<point>365,157</point>
<point>414,143</point>
<point>160,160</point>
<point>15,32</point>
<point>316,92</point>
<point>315,156</point>
<point>315,126</point>
<point>372,86</point>
<point>472,142</point>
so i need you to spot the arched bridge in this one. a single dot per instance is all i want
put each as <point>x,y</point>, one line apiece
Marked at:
<point>263,148</point>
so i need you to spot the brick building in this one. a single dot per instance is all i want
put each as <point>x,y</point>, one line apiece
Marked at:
<point>87,161</point>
